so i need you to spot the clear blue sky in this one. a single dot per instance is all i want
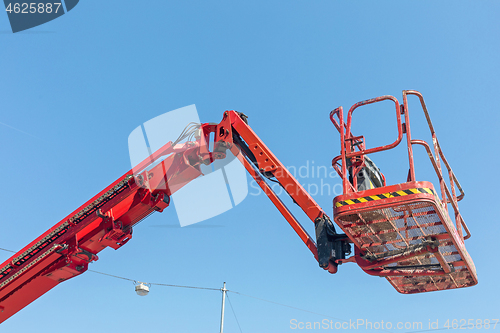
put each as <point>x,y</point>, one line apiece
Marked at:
<point>73,89</point>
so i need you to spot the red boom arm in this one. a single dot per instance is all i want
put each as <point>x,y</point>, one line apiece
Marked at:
<point>65,250</point>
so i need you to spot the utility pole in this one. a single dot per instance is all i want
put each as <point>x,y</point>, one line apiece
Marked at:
<point>224,290</point>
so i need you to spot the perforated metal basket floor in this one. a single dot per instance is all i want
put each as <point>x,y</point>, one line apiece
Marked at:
<point>388,224</point>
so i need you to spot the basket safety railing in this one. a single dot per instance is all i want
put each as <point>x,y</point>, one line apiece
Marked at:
<point>354,148</point>
<point>446,195</point>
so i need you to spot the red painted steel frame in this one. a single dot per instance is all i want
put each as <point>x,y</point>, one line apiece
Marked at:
<point>106,220</point>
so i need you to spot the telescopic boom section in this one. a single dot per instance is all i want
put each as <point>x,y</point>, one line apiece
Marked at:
<point>106,220</point>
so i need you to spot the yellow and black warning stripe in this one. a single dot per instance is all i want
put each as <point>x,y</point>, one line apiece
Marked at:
<point>386,196</point>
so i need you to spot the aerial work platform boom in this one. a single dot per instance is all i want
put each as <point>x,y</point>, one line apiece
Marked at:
<point>402,231</point>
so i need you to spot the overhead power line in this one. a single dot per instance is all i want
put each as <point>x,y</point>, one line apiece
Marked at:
<point>234,313</point>
<point>152,283</point>
<point>288,306</point>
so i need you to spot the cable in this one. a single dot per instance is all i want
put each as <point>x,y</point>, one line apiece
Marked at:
<point>190,129</point>
<point>288,306</point>
<point>118,277</point>
<point>7,250</point>
<point>235,292</point>
<point>295,308</point>
<point>178,286</point>
<point>153,284</point>
<point>234,313</point>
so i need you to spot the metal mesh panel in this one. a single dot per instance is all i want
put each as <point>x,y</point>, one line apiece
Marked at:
<point>415,284</point>
<point>380,231</point>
